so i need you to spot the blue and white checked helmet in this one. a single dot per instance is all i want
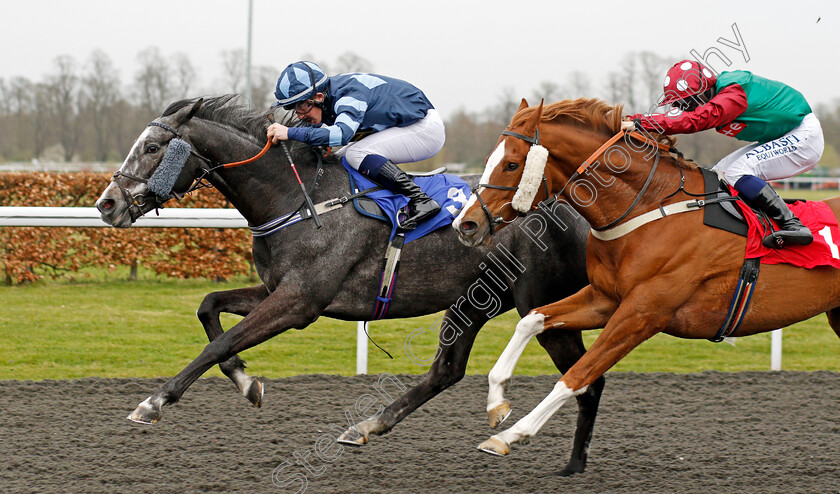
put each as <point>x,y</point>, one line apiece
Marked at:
<point>299,81</point>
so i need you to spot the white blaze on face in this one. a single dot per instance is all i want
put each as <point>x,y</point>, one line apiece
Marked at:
<point>135,150</point>
<point>492,162</point>
<point>132,158</point>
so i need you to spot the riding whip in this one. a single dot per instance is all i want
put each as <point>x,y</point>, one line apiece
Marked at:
<point>306,197</point>
<point>302,187</point>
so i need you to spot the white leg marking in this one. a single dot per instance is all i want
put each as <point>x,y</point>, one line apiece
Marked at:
<point>530,424</point>
<point>243,381</point>
<point>530,326</point>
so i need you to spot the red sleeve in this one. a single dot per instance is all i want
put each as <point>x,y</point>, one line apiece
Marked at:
<point>725,107</point>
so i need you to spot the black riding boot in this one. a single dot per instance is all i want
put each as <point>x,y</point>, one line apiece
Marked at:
<point>791,230</point>
<point>420,206</point>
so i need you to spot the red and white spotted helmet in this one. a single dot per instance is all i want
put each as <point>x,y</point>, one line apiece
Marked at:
<point>687,78</point>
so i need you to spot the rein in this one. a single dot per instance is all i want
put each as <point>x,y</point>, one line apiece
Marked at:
<point>137,202</point>
<point>597,154</point>
<point>580,170</point>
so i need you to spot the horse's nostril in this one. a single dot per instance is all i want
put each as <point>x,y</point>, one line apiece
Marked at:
<point>105,205</point>
<point>468,226</point>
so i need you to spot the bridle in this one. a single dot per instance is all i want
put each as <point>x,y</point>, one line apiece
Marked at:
<point>137,202</point>
<point>550,200</point>
<point>135,205</point>
<point>498,220</point>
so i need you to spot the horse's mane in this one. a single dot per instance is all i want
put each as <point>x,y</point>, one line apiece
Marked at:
<point>228,110</point>
<point>594,114</point>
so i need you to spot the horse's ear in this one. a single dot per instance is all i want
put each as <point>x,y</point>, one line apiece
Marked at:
<point>523,104</point>
<point>534,119</point>
<point>186,114</point>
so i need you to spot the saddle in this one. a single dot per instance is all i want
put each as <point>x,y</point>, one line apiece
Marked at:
<point>374,201</point>
<point>723,210</point>
<point>367,206</point>
<point>450,191</point>
<point>719,211</point>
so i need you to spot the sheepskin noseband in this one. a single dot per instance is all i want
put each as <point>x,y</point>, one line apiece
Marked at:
<point>532,175</point>
<point>162,181</point>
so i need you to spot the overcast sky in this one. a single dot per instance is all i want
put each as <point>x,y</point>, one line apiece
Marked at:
<point>462,54</point>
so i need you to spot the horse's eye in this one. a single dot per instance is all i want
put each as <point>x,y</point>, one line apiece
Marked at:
<point>511,167</point>
<point>152,149</point>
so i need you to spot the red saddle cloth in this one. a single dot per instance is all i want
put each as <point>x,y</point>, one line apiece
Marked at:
<point>817,216</point>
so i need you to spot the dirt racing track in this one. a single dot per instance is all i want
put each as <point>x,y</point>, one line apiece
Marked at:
<point>706,432</point>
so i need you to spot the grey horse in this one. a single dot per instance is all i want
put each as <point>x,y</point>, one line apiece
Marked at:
<point>334,271</point>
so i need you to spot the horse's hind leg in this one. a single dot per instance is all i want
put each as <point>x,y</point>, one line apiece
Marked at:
<point>834,319</point>
<point>566,348</point>
<point>241,302</point>
<point>587,309</point>
<point>449,367</point>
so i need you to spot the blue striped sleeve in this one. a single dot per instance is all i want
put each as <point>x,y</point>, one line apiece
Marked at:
<point>330,135</point>
<point>350,109</point>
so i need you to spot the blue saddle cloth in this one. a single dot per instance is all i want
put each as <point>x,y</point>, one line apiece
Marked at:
<point>449,191</point>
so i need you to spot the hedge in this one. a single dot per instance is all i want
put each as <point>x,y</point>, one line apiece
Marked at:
<point>30,253</point>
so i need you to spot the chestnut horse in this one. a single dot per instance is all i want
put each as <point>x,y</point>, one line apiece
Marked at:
<point>672,276</point>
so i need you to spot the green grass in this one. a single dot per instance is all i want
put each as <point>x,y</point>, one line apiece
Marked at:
<point>148,328</point>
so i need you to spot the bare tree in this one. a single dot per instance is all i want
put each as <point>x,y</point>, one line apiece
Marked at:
<point>4,91</point>
<point>234,62</point>
<point>18,97</point>
<point>613,88</point>
<point>652,69</point>
<point>351,62</point>
<point>153,82</point>
<point>548,90</point>
<point>628,82</point>
<point>66,100</point>
<point>101,85</point>
<point>184,75</point>
<point>263,82</point>
<point>578,85</point>
<point>505,107</point>
<point>43,117</point>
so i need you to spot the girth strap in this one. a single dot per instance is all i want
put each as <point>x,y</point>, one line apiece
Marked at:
<point>740,300</point>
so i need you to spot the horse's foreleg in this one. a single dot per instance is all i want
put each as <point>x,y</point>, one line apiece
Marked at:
<point>566,348</point>
<point>449,367</point>
<point>628,328</point>
<point>240,302</point>
<point>587,309</point>
<point>281,310</point>
<point>834,319</point>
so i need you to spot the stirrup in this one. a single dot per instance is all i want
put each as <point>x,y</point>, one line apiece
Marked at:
<point>407,223</point>
<point>785,238</point>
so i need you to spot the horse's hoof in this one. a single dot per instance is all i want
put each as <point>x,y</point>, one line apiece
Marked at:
<point>145,413</point>
<point>495,446</point>
<point>255,392</point>
<point>352,438</point>
<point>499,414</point>
<point>570,470</point>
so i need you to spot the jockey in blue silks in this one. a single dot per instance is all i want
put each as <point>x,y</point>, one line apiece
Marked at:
<point>378,121</point>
